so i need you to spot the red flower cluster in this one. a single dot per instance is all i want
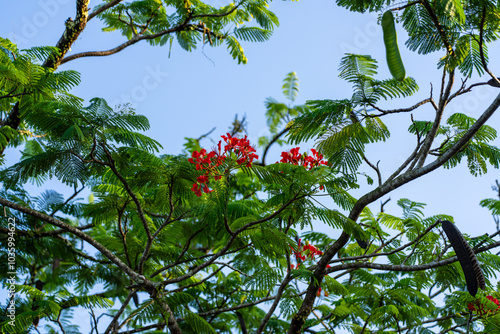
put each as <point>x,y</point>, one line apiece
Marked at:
<point>206,161</point>
<point>210,162</point>
<point>241,147</point>
<point>303,251</point>
<point>309,162</point>
<point>295,158</point>
<point>481,309</point>
<point>301,254</point>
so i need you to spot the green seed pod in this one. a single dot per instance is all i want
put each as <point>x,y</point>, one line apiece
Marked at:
<point>391,47</point>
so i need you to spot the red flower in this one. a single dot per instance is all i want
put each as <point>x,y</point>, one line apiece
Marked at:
<point>309,162</point>
<point>196,189</point>
<point>484,309</point>
<point>295,158</point>
<point>202,179</point>
<point>206,190</point>
<point>494,300</point>
<point>210,163</point>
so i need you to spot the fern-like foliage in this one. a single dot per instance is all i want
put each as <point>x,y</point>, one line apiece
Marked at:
<point>160,22</point>
<point>72,139</point>
<point>344,127</point>
<point>28,89</point>
<point>215,258</point>
<point>362,5</point>
<point>282,113</point>
<point>477,152</point>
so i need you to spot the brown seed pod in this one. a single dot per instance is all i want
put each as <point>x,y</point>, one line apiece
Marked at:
<point>362,243</point>
<point>468,261</point>
<point>492,82</point>
<point>475,264</point>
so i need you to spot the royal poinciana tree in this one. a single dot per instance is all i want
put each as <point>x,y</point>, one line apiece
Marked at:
<point>218,239</point>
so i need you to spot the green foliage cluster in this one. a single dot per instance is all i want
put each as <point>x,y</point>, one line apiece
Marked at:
<point>30,88</point>
<point>154,255</point>
<point>190,22</point>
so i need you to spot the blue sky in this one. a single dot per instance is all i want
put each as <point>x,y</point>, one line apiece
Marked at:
<point>187,94</point>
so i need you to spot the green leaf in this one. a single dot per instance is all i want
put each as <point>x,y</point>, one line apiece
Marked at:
<point>353,67</point>
<point>291,86</point>
<point>73,131</point>
<point>454,7</point>
<point>236,50</point>
<point>252,34</point>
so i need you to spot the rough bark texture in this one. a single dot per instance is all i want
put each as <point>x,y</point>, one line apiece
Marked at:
<point>71,33</point>
<point>305,310</point>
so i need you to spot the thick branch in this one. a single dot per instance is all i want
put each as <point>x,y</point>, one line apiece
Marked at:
<point>405,268</point>
<point>300,317</point>
<point>74,230</point>
<point>70,34</point>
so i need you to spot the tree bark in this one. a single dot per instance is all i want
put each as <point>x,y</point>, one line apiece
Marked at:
<point>70,34</point>
<point>305,310</point>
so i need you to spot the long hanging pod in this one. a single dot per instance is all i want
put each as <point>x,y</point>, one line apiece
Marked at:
<point>472,271</point>
<point>393,56</point>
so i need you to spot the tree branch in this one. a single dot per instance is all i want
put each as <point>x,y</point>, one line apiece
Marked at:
<point>405,268</point>
<point>102,8</point>
<point>424,151</point>
<point>222,14</point>
<point>300,317</point>
<point>439,28</point>
<point>77,232</point>
<point>275,138</point>
<point>122,46</point>
<point>70,34</point>
<point>228,244</point>
<point>481,51</point>
<point>396,111</point>
<point>281,289</point>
